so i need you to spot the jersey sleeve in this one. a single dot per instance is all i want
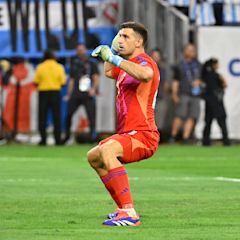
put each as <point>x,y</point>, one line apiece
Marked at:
<point>115,72</point>
<point>145,62</point>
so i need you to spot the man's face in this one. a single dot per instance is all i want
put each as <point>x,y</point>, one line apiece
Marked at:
<point>128,41</point>
<point>156,56</point>
<point>190,52</point>
<point>81,50</point>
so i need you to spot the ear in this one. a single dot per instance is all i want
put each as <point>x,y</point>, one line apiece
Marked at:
<point>139,42</point>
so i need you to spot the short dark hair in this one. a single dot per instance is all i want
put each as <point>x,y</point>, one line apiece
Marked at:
<point>48,54</point>
<point>136,27</point>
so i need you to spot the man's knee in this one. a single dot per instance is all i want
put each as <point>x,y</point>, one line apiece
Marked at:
<point>110,149</point>
<point>93,157</point>
<point>104,149</point>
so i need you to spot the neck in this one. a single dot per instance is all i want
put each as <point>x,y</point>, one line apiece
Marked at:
<point>188,59</point>
<point>82,57</point>
<point>137,52</point>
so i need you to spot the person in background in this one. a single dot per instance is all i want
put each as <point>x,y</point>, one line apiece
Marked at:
<point>49,78</point>
<point>5,73</point>
<point>160,109</point>
<point>82,90</point>
<point>214,107</point>
<point>186,90</point>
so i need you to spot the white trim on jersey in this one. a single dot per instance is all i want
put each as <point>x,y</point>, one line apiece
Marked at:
<point>154,100</point>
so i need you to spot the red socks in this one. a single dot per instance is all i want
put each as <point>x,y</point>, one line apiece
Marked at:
<point>116,182</point>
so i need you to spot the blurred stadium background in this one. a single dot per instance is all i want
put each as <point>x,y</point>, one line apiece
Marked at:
<point>184,192</point>
<point>29,27</point>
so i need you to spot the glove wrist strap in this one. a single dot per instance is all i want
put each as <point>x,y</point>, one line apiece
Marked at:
<point>116,60</point>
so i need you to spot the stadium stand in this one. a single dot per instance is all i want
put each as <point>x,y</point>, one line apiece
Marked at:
<point>209,12</point>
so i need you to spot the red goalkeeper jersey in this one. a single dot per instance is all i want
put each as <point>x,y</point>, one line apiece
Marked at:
<point>136,100</point>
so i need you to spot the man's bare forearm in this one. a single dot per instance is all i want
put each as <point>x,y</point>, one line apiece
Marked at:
<point>96,80</point>
<point>108,69</point>
<point>175,87</point>
<point>143,74</point>
<point>70,87</point>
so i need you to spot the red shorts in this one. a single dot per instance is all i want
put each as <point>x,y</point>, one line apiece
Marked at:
<point>137,145</point>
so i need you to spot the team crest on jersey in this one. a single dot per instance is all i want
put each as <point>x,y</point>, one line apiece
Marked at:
<point>143,63</point>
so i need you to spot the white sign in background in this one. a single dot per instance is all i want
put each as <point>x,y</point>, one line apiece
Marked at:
<point>224,44</point>
<point>55,14</point>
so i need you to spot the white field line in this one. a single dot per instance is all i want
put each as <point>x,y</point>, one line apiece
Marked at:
<point>224,179</point>
<point>180,179</point>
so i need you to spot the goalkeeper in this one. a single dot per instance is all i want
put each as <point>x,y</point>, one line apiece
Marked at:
<point>137,80</point>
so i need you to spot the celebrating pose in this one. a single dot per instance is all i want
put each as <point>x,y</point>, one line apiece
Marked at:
<point>137,79</point>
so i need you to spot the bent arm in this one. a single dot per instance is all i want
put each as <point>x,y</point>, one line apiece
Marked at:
<point>143,74</point>
<point>175,87</point>
<point>108,69</point>
<point>96,80</point>
<point>70,87</point>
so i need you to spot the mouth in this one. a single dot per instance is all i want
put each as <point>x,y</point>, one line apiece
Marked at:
<point>121,48</point>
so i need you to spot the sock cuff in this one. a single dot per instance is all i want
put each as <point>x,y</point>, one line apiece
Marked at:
<point>118,169</point>
<point>115,172</point>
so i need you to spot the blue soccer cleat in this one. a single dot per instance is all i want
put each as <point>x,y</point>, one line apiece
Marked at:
<point>122,219</point>
<point>113,214</point>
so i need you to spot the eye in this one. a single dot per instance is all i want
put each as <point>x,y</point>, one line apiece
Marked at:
<point>123,35</point>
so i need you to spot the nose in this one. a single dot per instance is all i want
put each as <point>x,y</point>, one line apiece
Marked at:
<point>120,39</point>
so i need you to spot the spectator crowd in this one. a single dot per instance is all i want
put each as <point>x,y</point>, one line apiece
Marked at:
<point>177,104</point>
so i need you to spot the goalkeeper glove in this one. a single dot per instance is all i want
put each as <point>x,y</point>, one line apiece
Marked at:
<point>106,54</point>
<point>115,45</point>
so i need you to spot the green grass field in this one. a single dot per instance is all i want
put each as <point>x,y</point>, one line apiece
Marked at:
<point>181,193</point>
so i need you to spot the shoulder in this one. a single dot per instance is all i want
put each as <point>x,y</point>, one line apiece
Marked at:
<point>180,64</point>
<point>197,62</point>
<point>40,66</point>
<point>75,60</point>
<point>60,66</point>
<point>146,60</point>
<point>92,62</point>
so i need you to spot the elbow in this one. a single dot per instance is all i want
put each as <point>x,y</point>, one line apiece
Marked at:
<point>108,74</point>
<point>145,77</point>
